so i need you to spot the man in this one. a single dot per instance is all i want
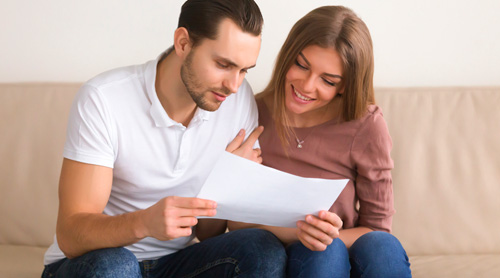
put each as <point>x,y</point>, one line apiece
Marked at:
<point>141,141</point>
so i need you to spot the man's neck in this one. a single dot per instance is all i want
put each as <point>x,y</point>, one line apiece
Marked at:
<point>171,91</point>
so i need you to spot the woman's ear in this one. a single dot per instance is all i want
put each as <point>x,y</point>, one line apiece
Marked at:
<point>182,43</point>
<point>340,92</point>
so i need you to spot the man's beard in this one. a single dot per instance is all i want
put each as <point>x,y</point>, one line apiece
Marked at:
<point>195,88</point>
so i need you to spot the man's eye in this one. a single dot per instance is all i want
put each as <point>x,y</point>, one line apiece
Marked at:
<point>299,65</point>
<point>222,66</point>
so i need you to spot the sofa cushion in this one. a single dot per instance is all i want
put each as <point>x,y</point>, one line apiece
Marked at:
<point>453,266</point>
<point>21,261</point>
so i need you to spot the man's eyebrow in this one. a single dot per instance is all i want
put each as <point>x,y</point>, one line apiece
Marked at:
<point>231,63</point>
<point>309,64</point>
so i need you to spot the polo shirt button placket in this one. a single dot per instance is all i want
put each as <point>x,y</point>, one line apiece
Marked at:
<point>184,151</point>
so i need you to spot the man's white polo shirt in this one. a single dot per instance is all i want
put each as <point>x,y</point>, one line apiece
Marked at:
<point>117,121</point>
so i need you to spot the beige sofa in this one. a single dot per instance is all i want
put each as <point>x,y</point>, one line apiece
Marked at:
<point>446,176</point>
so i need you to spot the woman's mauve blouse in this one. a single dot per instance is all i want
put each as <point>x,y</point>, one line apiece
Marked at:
<point>357,150</point>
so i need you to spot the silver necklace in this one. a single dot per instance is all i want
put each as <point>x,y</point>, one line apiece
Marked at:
<point>299,143</point>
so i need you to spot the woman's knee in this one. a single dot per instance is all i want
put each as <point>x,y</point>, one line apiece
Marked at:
<point>332,262</point>
<point>336,249</point>
<point>376,242</point>
<point>381,254</point>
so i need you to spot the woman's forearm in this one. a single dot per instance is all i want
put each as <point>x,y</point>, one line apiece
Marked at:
<point>349,236</point>
<point>207,228</point>
<point>289,235</point>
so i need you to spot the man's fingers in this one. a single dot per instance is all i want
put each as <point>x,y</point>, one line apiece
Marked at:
<point>179,232</point>
<point>190,203</point>
<point>186,222</point>
<point>253,137</point>
<point>237,141</point>
<point>259,160</point>
<point>184,212</point>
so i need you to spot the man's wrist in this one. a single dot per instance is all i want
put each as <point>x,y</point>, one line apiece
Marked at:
<point>139,227</point>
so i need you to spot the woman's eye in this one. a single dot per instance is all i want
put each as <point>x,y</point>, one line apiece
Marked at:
<point>299,65</point>
<point>329,83</point>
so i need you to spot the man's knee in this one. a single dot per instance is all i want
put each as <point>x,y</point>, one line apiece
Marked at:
<point>109,262</point>
<point>264,254</point>
<point>261,244</point>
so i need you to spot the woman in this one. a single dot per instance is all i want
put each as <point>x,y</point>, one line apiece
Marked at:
<point>320,120</point>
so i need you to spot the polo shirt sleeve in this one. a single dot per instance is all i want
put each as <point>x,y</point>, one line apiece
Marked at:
<point>371,154</point>
<point>89,130</point>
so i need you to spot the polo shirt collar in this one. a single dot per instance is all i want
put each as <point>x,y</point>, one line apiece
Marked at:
<point>157,112</point>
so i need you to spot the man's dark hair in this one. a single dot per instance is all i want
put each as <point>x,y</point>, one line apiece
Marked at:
<point>202,17</point>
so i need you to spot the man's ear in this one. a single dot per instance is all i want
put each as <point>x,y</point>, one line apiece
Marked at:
<point>182,43</point>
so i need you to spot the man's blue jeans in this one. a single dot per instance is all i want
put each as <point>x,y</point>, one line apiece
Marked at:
<point>242,253</point>
<point>375,254</point>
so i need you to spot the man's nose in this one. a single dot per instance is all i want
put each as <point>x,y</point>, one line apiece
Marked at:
<point>232,82</point>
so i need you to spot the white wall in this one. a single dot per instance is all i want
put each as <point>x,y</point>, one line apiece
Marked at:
<point>417,43</point>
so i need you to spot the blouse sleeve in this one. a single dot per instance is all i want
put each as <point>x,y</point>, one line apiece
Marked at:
<point>371,155</point>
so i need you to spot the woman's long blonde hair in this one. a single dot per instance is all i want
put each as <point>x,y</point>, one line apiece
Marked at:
<point>329,26</point>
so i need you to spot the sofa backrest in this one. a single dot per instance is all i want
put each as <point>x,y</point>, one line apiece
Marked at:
<point>33,121</point>
<point>446,150</point>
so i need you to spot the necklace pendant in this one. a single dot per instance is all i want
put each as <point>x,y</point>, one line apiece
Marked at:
<point>299,143</point>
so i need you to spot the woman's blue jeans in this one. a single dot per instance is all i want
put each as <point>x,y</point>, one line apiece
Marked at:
<point>375,254</point>
<point>242,253</point>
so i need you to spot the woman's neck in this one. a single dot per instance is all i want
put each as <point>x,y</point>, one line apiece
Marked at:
<point>316,117</point>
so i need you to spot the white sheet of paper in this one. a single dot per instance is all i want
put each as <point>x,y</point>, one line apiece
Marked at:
<point>249,192</point>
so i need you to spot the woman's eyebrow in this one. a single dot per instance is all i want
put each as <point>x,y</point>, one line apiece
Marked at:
<point>305,59</point>
<point>333,75</point>
<point>327,74</point>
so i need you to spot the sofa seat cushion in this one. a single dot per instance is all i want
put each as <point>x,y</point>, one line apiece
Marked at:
<point>452,266</point>
<point>21,261</point>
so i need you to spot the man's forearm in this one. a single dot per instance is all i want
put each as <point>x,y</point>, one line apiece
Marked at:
<point>84,232</point>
